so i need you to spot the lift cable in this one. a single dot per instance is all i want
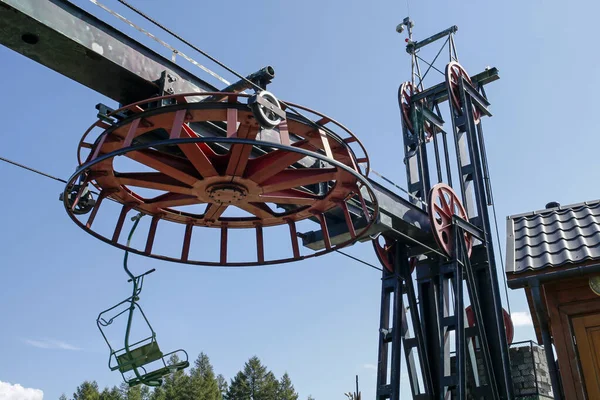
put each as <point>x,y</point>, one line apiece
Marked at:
<point>150,35</point>
<point>32,170</point>
<point>6,160</point>
<point>231,70</point>
<point>64,181</point>
<point>399,187</point>
<point>359,260</point>
<point>153,21</point>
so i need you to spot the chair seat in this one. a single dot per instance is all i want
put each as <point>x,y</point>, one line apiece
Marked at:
<point>154,378</point>
<point>139,356</point>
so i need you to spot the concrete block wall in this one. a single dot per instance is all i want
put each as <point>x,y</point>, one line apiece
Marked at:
<point>529,370</point>
<point>528,367</point>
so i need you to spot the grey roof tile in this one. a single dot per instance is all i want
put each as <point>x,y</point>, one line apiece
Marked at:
<point>553,237</point>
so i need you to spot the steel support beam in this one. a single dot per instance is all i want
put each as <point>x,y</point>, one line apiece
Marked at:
<point>76,44</point>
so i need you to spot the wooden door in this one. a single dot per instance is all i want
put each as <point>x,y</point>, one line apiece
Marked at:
<point>587,336</point>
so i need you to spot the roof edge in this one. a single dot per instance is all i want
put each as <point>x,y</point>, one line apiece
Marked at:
<point>550,210</point>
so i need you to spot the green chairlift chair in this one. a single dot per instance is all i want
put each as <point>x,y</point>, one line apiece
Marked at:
<point>135,357</point>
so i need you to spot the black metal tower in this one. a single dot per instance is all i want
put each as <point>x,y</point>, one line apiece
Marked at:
<point>442,353</point>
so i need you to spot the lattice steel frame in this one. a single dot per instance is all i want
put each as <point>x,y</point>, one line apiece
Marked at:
<point>439,283</point>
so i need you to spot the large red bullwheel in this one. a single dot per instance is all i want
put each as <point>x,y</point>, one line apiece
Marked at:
<point>453,73</point>
<point>253,178</point>
<point>443,204</point>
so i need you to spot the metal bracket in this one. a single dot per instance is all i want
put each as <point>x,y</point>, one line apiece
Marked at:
<point>468,227</point>
<point>432,117</point>
<point>478,100</point>
<point>270,106</point>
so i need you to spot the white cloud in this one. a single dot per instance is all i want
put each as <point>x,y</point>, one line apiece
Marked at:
<point>51,344</point>
<point>521,318</point>
<point>370,366</point>
<point>18,392</point>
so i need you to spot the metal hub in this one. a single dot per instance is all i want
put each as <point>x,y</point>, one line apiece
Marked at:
<point>227,193</point>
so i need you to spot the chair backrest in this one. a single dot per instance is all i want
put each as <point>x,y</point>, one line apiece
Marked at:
<point>139,356</point>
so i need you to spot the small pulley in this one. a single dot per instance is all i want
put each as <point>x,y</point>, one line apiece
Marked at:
<point>386,253</point>
<point>508,323</point>
<point>266,109</point>
<point>80,199</point>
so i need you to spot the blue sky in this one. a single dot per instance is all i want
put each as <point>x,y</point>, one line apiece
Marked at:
<point>315,319</point>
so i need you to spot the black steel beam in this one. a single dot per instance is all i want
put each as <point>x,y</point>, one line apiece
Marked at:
<point>411,47</point>
<point>74,43</point>
<point>439,92</point>
<point>398,218</point>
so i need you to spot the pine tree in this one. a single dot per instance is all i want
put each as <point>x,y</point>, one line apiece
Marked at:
<point>286,389</point>
<point>63,397</point>
<point>204,385</point>
<point>310,397</point>
<point>253,383</point>
<point>87,391</point>
<point>177,386</point>
<point>239,388</point>
<point>222,383</point>
<point>158,394</point>
<point>112,394</point>
<point>139,392</point>
<point>269,389</point>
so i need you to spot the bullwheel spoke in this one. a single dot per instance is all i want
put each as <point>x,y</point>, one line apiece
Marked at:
<point>214,211</point>
<point>168,165</point>
<point>196,155</point>
<point>289,196</point>
<point>260,210</point>
<point>264,167</point>
<point>152,180</point>
<point>173,200</point>
<point>292,178</point>
<point>240,153</point>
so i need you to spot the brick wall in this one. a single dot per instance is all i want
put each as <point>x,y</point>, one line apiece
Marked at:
<point>529,370</point>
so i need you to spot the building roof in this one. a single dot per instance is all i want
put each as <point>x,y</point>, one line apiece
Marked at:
<point>553,237</point>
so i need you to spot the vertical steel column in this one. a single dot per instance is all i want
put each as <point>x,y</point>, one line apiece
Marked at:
<point>473,187</point>
<point>390,336</point>
<point>487,278</point>
<point>429,294</point>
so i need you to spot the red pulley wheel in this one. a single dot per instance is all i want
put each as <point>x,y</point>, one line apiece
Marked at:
<point>405,94</point>
<point>453,73</point>
<point>508,324</point>
<point>443,204</point>
<point>385,254</point>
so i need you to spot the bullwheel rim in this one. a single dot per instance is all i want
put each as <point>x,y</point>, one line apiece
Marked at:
<point>197,180</point>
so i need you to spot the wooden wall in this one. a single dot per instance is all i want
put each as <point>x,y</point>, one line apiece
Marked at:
<point>564,300</point>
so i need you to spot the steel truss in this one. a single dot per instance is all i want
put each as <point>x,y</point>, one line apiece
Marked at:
<point>436,302</point>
